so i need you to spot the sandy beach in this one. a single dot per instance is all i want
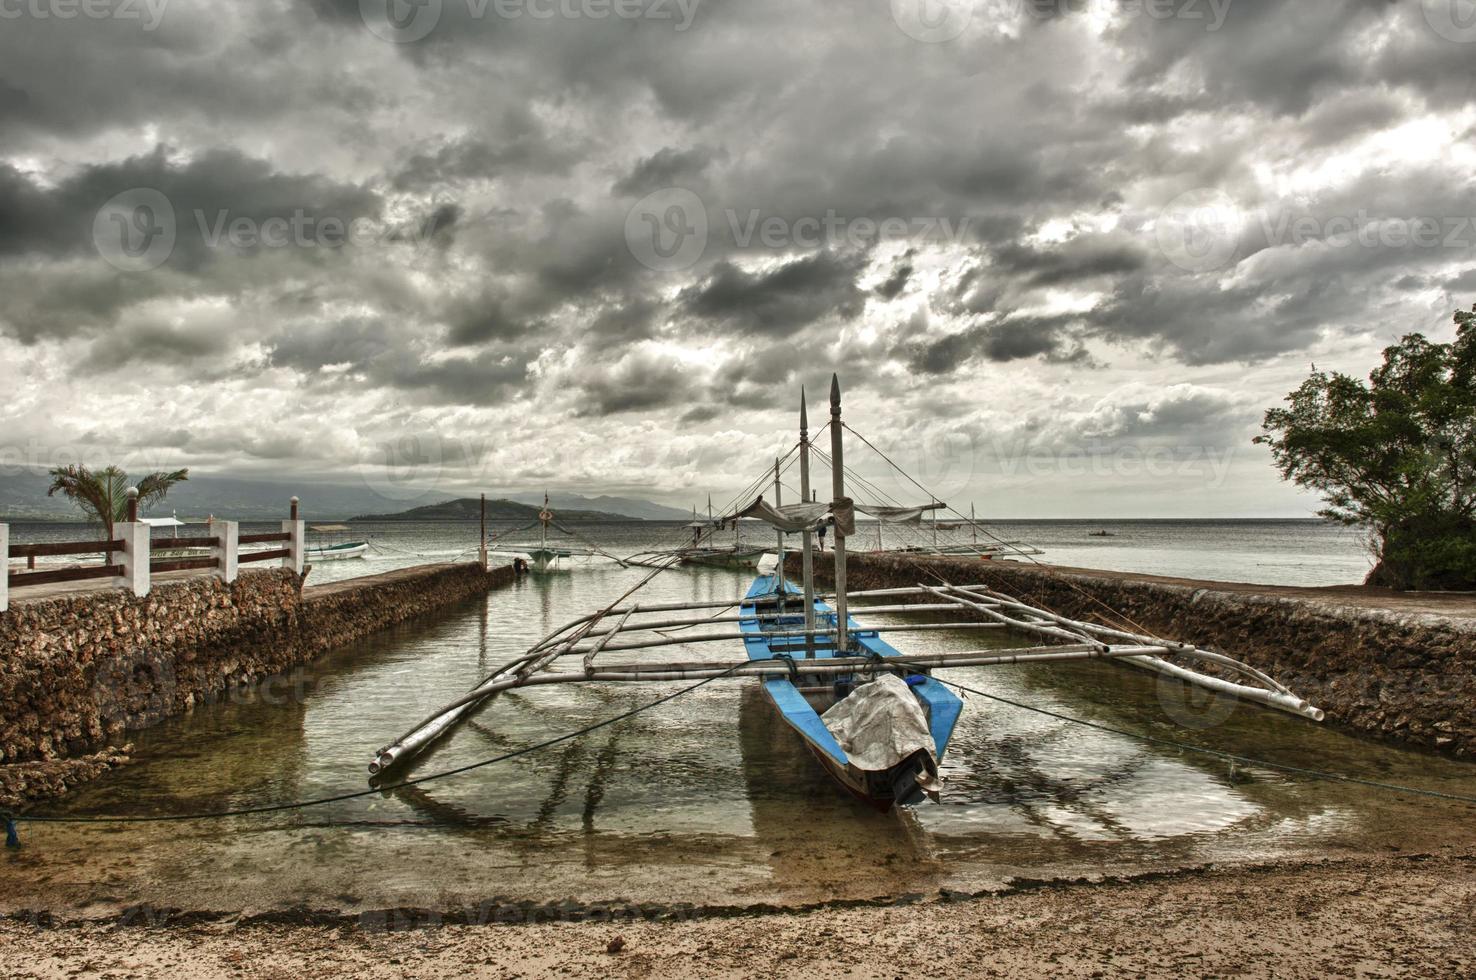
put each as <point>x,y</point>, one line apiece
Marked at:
<point>1393,916</point>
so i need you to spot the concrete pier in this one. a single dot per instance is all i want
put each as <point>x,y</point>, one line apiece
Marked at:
<point>81,668</point>
<point>1395,665</point>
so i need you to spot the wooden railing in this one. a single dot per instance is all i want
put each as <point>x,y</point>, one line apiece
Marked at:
<point>132,547</point>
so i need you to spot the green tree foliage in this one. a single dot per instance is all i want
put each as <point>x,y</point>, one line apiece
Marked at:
<point>1396,455</point>
<point>103,494</point>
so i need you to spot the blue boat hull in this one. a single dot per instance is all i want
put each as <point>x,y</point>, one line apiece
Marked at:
<point>800,700</point>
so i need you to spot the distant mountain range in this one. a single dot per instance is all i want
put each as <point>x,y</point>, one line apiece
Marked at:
<point>469,509</point>
<point>625,506</point>
<point>23,498</point>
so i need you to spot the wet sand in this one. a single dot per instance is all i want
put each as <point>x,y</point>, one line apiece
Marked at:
<point>1404,915</point>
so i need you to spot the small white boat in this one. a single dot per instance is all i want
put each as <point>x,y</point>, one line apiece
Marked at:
<point>329,550</point>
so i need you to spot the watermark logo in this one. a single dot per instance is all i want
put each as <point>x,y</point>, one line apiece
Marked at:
<point>404,467</point>
<point>933,21</point>
<point>1198,231</point>
<point>408,21</point>
<point>135,689</point>
<point>149,12</point>
<point>1454,20</point>
<point>1192,706</point>
<point>400,21</point>
<point>940,21</point>
<point>135,231</point>
<point>667,230</point>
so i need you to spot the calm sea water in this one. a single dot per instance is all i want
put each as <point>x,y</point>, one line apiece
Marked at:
<point>707,799</point>
<point>1273,552</point>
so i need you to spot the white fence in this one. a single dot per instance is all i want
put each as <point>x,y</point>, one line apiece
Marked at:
<point>129,556</point>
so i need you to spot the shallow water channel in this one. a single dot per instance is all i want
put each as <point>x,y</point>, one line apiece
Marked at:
<point>707,800</point>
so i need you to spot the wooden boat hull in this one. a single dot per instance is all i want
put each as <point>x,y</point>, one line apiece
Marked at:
<point>337,552</point>
<point>729,558</point>
<point>800,699</point>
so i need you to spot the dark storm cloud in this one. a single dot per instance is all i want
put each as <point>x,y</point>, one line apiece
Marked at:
<point>520,143</point>
<point>642,381</point>
<point>892,287</point>
<point>779,301</point>
<point>668,167</point>
<point>206,193</point>
<point>1086,257</point>
<point>502,156</point>
<point>996,342</point>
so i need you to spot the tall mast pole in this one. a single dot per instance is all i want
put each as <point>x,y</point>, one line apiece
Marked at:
<point>779,572</point>
<point>838,494</point>
<point>808,555</point>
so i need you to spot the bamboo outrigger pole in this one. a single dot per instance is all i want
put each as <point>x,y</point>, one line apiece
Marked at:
<point>838,496</point>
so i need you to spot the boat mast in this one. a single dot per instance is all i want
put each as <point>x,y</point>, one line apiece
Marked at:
<point>779,533</point>
<point>808,555</point>
<point>838,494</point>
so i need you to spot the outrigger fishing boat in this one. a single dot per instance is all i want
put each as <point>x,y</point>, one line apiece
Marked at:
<point>544,557</point>
<point>331,546</point>
<point>701,550</point>
<point>876,718</point>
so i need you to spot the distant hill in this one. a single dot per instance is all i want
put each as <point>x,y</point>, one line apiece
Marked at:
<point>23,497</point>
<point>629,506</point>
<point>469,509</point>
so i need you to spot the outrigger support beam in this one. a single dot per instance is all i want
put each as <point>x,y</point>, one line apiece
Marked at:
<point>1069,640</point>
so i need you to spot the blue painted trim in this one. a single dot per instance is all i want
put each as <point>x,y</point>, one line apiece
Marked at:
<point>944,707</point>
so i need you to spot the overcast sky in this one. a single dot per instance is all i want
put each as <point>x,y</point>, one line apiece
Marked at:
<point>1063,255</point>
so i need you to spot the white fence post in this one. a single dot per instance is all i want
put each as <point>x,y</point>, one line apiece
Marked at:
<point>228,547</point>
<point>4,567</point>
<point>135,559</point>
<point>135,537</point>
<point>298,531</point>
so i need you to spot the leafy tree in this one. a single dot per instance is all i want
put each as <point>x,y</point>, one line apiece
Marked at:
<point>1395,455</point>
<point>103,494</point>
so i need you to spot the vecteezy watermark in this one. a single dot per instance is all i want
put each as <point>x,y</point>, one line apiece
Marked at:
<point>1198,231</point>
<point>139,229</point>
<point>1454,20</point>
<point>408,21</point>
<point>1202,231</point>
<point>405,467</point>
<point>938,21</point>
<point>135,230</point>
<point>150,13</point>
<point>669,229</point>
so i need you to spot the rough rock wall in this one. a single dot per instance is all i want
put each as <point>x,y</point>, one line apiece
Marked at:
<point>1406,677</point>
<point>79,669</point>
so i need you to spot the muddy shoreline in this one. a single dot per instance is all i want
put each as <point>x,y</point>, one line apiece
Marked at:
<point>1396,915</point>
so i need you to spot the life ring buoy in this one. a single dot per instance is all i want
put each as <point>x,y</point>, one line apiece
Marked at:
<point>545,516</point>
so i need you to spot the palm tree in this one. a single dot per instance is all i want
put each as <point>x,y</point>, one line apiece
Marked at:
<point>103,494</point>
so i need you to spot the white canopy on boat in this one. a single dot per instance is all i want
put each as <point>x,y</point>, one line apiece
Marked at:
<point>161,521</point>
<point>898,515</point>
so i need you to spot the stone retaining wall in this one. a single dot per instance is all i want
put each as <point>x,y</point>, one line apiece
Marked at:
<point>1409,677</point>
<point>78,670</point>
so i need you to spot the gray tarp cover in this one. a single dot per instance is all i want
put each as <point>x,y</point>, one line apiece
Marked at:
<point>802,517</point>
<point>879,724</point>
<point>808,517</point>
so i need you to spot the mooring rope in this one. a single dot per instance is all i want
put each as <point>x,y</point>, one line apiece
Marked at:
<point>12,819</point>
<point>1216,753</point>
